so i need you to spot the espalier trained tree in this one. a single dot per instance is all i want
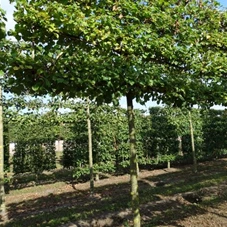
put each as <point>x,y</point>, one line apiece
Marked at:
<point>172,51</point>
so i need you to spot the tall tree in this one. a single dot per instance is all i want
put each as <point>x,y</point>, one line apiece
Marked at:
<point>172,51</point>
<point>2,189</point>
<point>192,143</point>
<point>2,64</point>
<point>91,168</point>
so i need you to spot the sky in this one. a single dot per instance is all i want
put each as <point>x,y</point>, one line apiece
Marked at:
<point>223,2</point>
<point>10,24</point>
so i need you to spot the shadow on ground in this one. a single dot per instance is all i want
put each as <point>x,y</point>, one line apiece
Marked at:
<point>162,200</point>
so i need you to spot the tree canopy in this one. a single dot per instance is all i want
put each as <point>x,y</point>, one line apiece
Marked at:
<point>171,51</point>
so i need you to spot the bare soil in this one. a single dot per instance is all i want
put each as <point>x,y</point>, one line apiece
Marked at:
<point>169,204</point>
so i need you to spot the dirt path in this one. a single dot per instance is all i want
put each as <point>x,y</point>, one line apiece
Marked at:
<point>163,209</point>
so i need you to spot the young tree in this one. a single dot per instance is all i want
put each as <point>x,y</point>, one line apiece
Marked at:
<point>90,153</point>
<point>192,142</point>
<point>2,64</point>
<point>186,121</point>
<point>172,51</point>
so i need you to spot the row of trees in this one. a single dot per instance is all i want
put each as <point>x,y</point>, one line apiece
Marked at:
<point>172,51</point>
<point>163,135</point>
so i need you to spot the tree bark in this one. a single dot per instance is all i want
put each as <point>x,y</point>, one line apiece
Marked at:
<point>180,148</point>
<point>90,147</point>
<point>2,188</point>
<point>116,152</point>
<point>192,144</point>
<point>168,164</point>
<point>133,163</point>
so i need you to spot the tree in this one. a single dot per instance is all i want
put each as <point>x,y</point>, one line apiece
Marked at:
<point>34,135</point>
<point>192,143</point>
<point>214,132</point>
<point>164,135</point>
<point>2,189</point>
<point>2,64</point>
<point>172,51</point>
<point>186,120</point>
<point>33,127</point>
<point>91,168</point>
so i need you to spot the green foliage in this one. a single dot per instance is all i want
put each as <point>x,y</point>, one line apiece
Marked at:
<point>49,159</point>
<point>34,131</point>
<point>157,137</point>
<point>106,51</point>
<point>179,118</point>
<point>81,172</point>
<point>101,123</point>
<point>33,156</point>
<point>75,152</point>
<point>110,138</point>
<point>163,134</point>
<point>75,146</point>
<point>172,52</point>
<point>2,40</point>
<point>170,126</point>
<point>104,167</point>
<point>2,24</point>
<point>215,133</point>
<point>165,158</point>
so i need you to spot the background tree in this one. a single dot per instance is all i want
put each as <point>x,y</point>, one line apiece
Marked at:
<point>35,150</point>
<point>164,136</point>
<point>188,125</point>
<point>215,134</point>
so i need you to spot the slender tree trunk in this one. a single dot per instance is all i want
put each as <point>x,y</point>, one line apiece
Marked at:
<point>193,144</point>
<point>90,147</point>
<point>133,164</point>
<point>116,152</point>
<point>180,148</point>
<point>2,188</point>
<point>168,164</point>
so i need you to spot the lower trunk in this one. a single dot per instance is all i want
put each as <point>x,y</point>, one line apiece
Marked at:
<point>90,147</point>
<point>2,188</point>
<point>193,144</point>
<point>116,153</point>
<point>97,177</point>
<point>180,147</point>
<point>168,165</point>
<point>133,164</point>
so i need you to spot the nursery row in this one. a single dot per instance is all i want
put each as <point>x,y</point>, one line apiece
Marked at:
<point>163,136</point>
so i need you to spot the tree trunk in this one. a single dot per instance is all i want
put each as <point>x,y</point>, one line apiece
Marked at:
<point>90,147</point>
<point>180,148</point>
<point>133,163</point>
<point>193,144</point>
<point>168,164</point>
<point>2,188</point>
<point>116,152</point>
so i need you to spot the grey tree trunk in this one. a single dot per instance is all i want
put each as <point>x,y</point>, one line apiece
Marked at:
<point>2,188</point>
<point>133,164</point>
<point>90,147</point>
<point>168,164</point>
<point>180,148</point>
<point>192,143</point>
